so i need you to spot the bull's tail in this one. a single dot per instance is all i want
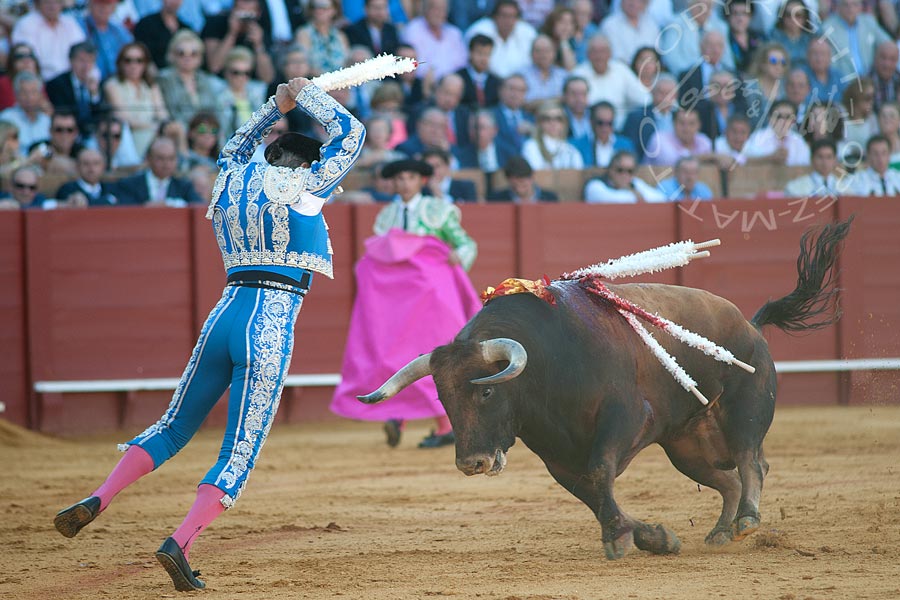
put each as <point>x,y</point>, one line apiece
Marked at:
<point>813,303</point>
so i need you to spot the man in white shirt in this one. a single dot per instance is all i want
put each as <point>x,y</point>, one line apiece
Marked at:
<point>822,181</point>
<point>778,143</point>
<point>50,33</point>
<point>619,185</point>
<point>611,80</point>
<point>729,148</point>
<point>878,179</point>
<point>27,114</point>
<point>630,29</point>
<point>512,38</point>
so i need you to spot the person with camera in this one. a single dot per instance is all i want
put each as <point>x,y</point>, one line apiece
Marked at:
<point>58,152</point>
<point>238,27</point>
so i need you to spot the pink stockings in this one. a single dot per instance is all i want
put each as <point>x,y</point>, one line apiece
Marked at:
<point>135,464</point>
<point>206,508</point>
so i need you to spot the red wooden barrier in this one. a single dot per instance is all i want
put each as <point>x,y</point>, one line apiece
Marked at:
<point>109,297</point>
<point>870,278</point>
<point>554,239</point>
<point>121,293</point>
<point>13,367</point>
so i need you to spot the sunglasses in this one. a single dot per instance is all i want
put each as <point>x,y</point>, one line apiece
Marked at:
<point>183,53</point>
<point>237,73</point>
<point>602,123</point>
<point>785,116</point>
<point>552,118</point>
<point>19,55</point>
<point>774,60</point>
<point>207,129</point>
<point>629,170</point>
<point>133,60</point>
<point>115,136</point>
<point>25,186</point>
<point>64,130</point>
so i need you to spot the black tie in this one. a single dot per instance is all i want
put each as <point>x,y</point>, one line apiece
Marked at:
<point>405,210</point>
<point>883,187</point>
<point>84,102</point>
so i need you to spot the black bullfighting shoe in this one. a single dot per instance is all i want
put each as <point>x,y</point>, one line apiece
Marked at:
<point>436,441</point>
<point>69,521</point>
<point>173,561</point>
<point>392,429</point>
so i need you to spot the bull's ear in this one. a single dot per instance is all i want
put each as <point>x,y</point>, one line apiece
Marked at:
<point>498,349</point>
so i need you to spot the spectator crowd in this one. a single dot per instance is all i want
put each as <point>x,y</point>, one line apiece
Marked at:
<point>127,102</point>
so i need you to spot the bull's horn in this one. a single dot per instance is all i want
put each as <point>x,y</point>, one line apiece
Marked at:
<point>502,349</point>
<point>412,372</point>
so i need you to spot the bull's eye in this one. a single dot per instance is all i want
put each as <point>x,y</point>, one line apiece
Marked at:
<point>486,393</point>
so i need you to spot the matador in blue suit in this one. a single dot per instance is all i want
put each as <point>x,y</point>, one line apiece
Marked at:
<point>267,219</point>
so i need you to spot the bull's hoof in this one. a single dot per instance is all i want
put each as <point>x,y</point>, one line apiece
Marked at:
<point>620,546</point>
<point>719,536</point>
<point>657,539</point>
<point>743,526</point>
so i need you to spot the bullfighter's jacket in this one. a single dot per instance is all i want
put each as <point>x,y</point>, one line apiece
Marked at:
<point>269,218</point>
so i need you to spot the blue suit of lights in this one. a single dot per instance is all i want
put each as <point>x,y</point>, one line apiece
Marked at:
<point>265,218</point>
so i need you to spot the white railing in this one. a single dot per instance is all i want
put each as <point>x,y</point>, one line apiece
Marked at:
<point>165,383</point>
<point>333,379</point>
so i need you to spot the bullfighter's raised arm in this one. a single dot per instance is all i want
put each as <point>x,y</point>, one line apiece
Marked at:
<point>345,140</point>
<point>346,137</point>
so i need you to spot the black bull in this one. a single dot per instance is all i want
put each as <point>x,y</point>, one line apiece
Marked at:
<point>593,396</point>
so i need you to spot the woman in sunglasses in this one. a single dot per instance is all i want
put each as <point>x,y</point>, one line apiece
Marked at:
<point>202,142</point>
<point>619,185</point>
<point>765,82</point>
<point>134,95</point>
<point>185,86</point>
<point>242,93</point>
<point>548,149</point>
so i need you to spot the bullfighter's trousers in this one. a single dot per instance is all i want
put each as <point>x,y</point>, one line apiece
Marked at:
<point>246,342</point>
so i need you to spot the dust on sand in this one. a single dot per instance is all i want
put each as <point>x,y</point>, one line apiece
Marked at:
<point>332,512</point>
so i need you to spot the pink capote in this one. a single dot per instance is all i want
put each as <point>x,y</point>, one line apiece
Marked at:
<point>409,300</point>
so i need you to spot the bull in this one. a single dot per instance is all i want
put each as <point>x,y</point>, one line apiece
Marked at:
<point>576,385</point>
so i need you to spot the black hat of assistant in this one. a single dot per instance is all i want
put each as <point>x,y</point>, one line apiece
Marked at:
<point>305,147</point>
<point>407,164</point>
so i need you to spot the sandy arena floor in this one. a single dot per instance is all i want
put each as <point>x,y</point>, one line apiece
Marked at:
<point>331,512</point>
